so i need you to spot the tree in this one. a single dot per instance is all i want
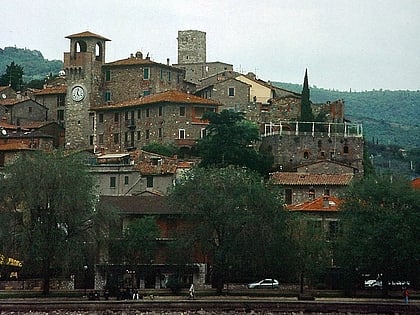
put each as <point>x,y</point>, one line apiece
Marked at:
<point>380,227</point>
<point>306,114</point>
<point>236,221</point>
<point>13,76</point>
<point>55,197</point>
<point>230,140</point>
<point>140,240</point>
<point>166,150</point>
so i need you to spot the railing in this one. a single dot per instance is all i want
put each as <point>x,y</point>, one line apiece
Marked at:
<point>312,128</point>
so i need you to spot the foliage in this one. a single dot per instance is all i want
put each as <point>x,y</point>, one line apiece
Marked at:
<point>158,148</point>
<point>32,61</point>
<point>12,76</point>
<point>380,227</point>
<point>388,117</point>
<point>306,109</point>
<point>55,197</point>
<point>235,222</point>
<point>230,140</point>
<point>140,240</point>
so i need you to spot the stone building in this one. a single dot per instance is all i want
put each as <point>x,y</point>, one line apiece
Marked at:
<point>170,117</point>
<point>18,111</point>
<point>53,98</point>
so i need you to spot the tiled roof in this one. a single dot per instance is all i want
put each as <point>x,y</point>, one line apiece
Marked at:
<point>2,88</point>
<point>303,179</point>
<point>87,34</point>
<point>318,204</point>
<point>60,89</point>
<point>149,205</point>
<point>171,96</point>
<point>131,61</point>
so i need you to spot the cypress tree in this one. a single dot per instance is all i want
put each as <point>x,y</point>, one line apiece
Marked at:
<point>305,108</point>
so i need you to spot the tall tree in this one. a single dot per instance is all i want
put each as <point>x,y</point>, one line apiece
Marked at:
<point>231,140</point>
<point>55,195</point>
<point>306,114</point>
<point>13,76</point>
<point>380,227</point>
<point>236,221</point>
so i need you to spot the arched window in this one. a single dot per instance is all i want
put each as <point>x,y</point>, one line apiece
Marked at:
<point>346,149</point>
<point>306,155</point>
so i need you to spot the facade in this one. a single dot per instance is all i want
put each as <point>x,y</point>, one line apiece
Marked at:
<point>53,97</point>
<point>170,117</point>
<point>19,111</point>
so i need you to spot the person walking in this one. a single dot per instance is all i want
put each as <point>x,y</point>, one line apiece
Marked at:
<point>405,295</point>
<point>192,291</point>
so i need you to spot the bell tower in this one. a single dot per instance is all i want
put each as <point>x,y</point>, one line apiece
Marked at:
<point>83,66</point>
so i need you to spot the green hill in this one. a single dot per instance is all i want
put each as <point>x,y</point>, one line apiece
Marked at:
<point>35,67</point>
<point>388,117</point>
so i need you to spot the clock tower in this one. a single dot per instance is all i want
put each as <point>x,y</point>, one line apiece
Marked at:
<point>83,67</point>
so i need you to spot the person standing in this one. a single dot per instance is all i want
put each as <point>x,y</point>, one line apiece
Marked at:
<point>405,295</point>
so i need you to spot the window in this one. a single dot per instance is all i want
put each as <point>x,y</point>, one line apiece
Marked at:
<point>149,181</point>
<point>112,182</point>
<point>306,155</point>
<point>147,112</point>
<point>91,140</point>
<point>288,196</point>
<point>101,138</point>
<point>107,96</point>
<point>311,193</point>
<point>101,118</point>
<point>181,134</point>
<point>126,137</point>
<point>202,132</point>
<point>146,92</point>
<point>138,135</point>
<point>108,75</point>
<point>116,138</point>
<point>160,111</point>
<point>116,117</point>
<point>30,109</point>
<point>231,91</point>
<point>182,111</point>
<point>60,115</point>
<point>161,75</point>
<point>346,149</point>
<point>61,100</point>
<point>333,230</point>
<point>139,114</point>
<point>146,74</point>
<point>169,76</point>
<point>160,132</point>
<point>147,134</point>
<point>126,180</point>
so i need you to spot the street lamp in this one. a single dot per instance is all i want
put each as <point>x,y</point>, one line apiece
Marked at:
<point>85,268</point>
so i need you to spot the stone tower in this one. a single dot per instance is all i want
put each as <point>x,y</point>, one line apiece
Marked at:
<point>191,47</point>
<point>84,76</point>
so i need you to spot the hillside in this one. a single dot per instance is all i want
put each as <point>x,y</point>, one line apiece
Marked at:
<point>35,67</point>
<point>388,117</point>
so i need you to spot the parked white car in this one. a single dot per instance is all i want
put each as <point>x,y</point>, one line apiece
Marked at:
<point>373,284</point>
<point>264,284</point>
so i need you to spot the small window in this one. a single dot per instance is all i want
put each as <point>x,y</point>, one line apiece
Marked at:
<point>288,196</point>
<point>138,135</point>
<point>112,182</point>
<point>146,92</point>
<point>160,111</point>
<point>30,109</point>
<point>126,137</point>
<point>231,91</point>
<point>147,134</point>
<point>182,111</point>
<point>107,96</point>
<point>61,100</point>
<point>160,132</point>
<point>161,75</point>
<point>60,115</point>
<point>101,138</point>
<point>126,180</point>
<point>181,134</point>
<point>146,73</point>
<point>306,155</point>
<point>116,138</point>
<point>108,75</point>
<point>139,114</point>
<point>91,140</point>
<point>147,112</point>
<point>169,76</point>
<point>333,230</point>
<point>149,181</point>
<point>346,149</point>
<point>311,194</point>
<point>101,118</point>
<point>202,132</point>
<point>116,117</point>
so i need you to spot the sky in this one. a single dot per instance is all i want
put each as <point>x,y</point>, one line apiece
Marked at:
<point>346,45</point>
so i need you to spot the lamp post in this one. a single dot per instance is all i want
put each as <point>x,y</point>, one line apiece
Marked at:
<point>85,268</point>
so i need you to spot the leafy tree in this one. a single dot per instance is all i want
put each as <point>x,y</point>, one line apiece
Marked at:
<point>380,227</point>
<point>235,221</point>
<point>55,197</point>
<point>13,76</point>
<point>230,140</point>
<point>140,240</point>
<point>166,150</point>
<point>306,114</point>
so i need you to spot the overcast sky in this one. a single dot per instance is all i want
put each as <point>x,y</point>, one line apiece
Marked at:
<point>344,44</point>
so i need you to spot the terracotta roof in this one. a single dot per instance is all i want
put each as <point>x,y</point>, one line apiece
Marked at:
<point>138,204</point>
<point>319,204</point>
<point>87,34</point>
<point>171,96</point>
<point>295,179</point>
<point>37,124</point>
<point>131,61</point>
<point>2,88</point>
<point>60,89</point>
<point>416,183</point>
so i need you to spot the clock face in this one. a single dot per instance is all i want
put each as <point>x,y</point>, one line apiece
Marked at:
<point>77,93</point>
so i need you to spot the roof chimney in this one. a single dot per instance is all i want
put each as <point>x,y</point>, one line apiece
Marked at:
<point>167,61</point>
<point>326,201</point>
<point>139,55</point>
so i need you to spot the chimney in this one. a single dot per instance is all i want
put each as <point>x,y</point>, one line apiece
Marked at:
<point>326,201</point>
<point>139,55</point>
<point>167,61</point>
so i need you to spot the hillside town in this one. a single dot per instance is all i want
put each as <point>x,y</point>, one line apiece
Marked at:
<point>111,110</point>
